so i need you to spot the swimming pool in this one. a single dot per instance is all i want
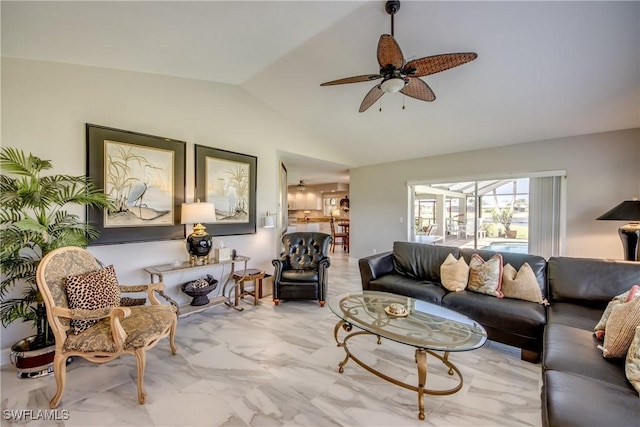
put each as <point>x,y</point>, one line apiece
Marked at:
<point>515,247</point>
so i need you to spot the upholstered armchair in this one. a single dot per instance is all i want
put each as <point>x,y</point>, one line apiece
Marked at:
<point>88,317</point>
<point>301,270</point>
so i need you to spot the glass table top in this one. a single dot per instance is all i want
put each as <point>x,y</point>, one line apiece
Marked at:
<point>426,325</point>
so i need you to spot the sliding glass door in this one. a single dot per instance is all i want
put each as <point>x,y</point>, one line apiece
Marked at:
<point>522,214</point>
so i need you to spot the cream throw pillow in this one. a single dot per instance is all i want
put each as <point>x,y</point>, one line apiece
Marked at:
<point>632,293</point>
<point>454,273</point>
<point>485,277</point>
<point>621,328</point>
<point>632,365</point>
<point>521,284</point>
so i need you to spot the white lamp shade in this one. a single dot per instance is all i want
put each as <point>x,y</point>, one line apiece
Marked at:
<point>335,213</point>
<point>268,221</point>
<point>198,213</point>
<point>392,85</point>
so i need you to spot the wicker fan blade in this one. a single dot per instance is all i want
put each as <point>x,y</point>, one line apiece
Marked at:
<point>374,94</point>
<point>435,64</point>
<point>389,52</point>
<point>418,89</point>
<point>355,79</point>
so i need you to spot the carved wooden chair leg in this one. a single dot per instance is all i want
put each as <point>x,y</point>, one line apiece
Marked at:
<point>276,301</point>
<point>141,359</point>
<point>60,373</point>
<point>172,336</point>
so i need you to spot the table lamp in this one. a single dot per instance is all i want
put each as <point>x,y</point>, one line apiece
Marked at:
<point>199,242</point>
<point>629,210</point>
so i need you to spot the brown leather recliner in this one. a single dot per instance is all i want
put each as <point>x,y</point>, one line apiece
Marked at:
<point>301,270</point>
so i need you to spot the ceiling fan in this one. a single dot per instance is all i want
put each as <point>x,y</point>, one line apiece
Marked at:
<point>400,76</point>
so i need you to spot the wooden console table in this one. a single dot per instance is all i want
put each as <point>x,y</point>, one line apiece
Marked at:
<point>159,271</point>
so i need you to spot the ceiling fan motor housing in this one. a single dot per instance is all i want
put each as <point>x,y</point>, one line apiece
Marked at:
<point>392,6</point>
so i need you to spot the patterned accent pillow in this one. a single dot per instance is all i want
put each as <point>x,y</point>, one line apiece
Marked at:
<point>90,291</point>
<point>617,300</point>
<point>454,274</point>
<point>632,365</point>
<point>621,328</point>
<point>521,284</point>
<point>485,277</point>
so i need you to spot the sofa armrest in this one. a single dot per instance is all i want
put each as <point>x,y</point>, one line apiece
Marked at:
<point>279,264</point>
<point>375,266</point>
<point>324,263</point>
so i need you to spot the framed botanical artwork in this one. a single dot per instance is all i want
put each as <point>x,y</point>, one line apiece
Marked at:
<point>228,180</point>
<point>144,178</point>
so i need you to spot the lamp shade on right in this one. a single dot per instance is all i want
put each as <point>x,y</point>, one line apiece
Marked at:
<point>629,210</point>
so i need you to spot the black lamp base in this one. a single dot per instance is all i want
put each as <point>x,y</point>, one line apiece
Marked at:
<point>630,236</point>
<point>199,246</point>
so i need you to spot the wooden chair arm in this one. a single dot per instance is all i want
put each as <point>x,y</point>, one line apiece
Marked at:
<point>149,288</point>
<point>80,314</point>
<point>117,331</point>
<point>144,287</point>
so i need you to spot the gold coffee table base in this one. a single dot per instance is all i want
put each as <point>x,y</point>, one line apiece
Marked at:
<point>421,362</point>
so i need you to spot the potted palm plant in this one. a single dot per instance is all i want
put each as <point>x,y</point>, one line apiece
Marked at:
<point>33,222</point>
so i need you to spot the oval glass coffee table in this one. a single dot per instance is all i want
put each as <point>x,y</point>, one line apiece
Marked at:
<point>425,326</point>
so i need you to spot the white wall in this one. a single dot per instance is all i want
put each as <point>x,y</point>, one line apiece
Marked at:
<point>45,107</point>
<point>602,171</point>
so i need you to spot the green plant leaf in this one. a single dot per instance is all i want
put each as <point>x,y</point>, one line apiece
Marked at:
<point>34,222</point>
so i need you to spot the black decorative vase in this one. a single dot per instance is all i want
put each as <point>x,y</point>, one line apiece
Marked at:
<point>199,246</point>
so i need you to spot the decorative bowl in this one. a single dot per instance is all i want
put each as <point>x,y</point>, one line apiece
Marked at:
<point>198,290</point>
<point>397,310</point>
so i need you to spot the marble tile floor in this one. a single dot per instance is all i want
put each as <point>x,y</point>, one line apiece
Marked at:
<point>277,366</point>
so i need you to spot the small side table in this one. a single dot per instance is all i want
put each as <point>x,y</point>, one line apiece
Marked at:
<point>246,275</point>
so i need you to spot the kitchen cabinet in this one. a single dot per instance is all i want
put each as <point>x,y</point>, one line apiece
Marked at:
<point>307,200</point>
<point>325,227</point>
<point>311,226</point>
<point>314,201</point>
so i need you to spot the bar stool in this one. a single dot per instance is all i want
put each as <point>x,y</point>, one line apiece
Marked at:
<point>248,275</point>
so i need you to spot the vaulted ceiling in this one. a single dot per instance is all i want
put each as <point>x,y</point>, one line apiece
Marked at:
<point>544,69</point>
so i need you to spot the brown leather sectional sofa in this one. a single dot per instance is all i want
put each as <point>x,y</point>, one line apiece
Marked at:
<point>580,387</point>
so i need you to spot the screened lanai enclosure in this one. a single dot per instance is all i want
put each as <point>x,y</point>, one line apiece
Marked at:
<point>521,215</point>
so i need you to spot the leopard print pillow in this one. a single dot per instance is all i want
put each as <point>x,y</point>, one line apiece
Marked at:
<point>90,291</point>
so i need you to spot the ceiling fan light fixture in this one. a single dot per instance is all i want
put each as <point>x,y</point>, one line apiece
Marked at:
<point>400,76</point>
<point>392,85</point>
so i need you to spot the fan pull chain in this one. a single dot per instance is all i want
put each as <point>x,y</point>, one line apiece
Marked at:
<point>380,103</point>
<point>403,98</point>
